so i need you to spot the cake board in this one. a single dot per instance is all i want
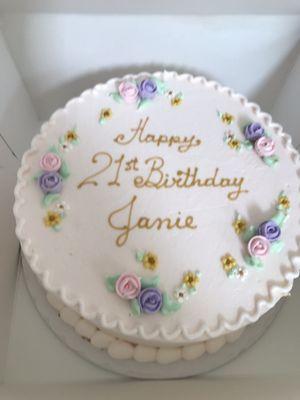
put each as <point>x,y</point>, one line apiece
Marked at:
<point>132,368</point>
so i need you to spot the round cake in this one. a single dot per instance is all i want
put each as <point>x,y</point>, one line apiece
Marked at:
<point>160,214</point>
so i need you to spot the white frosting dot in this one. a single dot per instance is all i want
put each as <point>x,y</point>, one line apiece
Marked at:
<point>233,336</point>
<point>69,316</point>
<point>193,351</point>
<point>120,350</point>
<point>85,328</point>
<point>168,355</point>
<point>213,345</point>
<point>55,301</point>
<point>102,340</point>
<point>144,353</point>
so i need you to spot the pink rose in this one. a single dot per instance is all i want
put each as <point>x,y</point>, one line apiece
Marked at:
<point>265,146</point>
<point>128,91</point>
<point>258,246</point>
<point>50,162</point>
<point>128,286</point>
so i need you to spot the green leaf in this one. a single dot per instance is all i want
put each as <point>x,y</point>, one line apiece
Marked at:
<point>161,87</point>
<point>36,176</point>
<point>179,95</point>
<point>232,273</point>
<point>249,233</point>
<point>143,104</point>
<point>50,198</point>
<point>135,307</point>
<point>54,149</point>
<point>169,306</point>
<point>192,290</point>
<point>56,227</point>
<point>64,170</point>
<point>139,256</point>
<point>279,218</point>
<point>245,126</point>
<point>110,282</point>
<point>271,161</point>
<point>61,140</point>
<point>277,246</point>
<point>253,261</point>
<point>150,282</point>
<point>102,121</point>
<point>116,96</point>
<point>247,145</point>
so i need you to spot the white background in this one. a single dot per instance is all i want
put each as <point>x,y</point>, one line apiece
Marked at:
<point>45,59</point>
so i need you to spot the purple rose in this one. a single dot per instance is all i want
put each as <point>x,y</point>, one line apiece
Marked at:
<point>254,131</point>
<point>147,89</point>
<point>270,230</point>
<point>50,182</point>
<point>150,300</point>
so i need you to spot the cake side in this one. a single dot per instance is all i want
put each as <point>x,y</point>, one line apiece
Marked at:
<point>120,349</point>
<point>207,317</point>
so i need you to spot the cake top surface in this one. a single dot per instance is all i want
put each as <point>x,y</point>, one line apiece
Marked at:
<point>163,207</point>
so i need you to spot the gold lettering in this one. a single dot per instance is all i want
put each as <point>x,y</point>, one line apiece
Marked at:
<point>119,163</point>
<point>155,175</point>
<point>184,144</point>
<point>89,180</point>
<point>188,143</point>
<point>186,179</point>
<point>212,181</point>
<point>237,182</point>
<point>126,228</point>
<point>143,222</point>
<point>138,131</point>
<point>224,182</point>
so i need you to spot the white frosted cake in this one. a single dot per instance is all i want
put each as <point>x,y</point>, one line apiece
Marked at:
<point>160,214</point>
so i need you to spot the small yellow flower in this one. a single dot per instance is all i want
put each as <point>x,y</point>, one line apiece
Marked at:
<point>227,118</point>
<point>70,136</point>
<point>150,261</point>
<point>52,219</point>
<point>228,262</point>
<point>239,225</point>
<point>105,113</point>
<point>284,201</point>
<point>234,144</point>
<point>176,101</point>
<point>190,279</point>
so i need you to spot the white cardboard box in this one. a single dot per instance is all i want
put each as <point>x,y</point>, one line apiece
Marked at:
<point>45,59</point>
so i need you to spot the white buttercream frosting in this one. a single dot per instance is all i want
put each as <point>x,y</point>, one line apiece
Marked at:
<point>74,261</point>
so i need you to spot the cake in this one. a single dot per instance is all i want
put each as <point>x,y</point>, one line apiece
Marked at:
<point>160,214</point>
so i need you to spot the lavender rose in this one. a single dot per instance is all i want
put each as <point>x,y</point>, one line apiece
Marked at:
<point>254,131</point>
<point>147,89</point>
<point>150,300</point>
<point>270,230</point>
<point>50,182</point>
